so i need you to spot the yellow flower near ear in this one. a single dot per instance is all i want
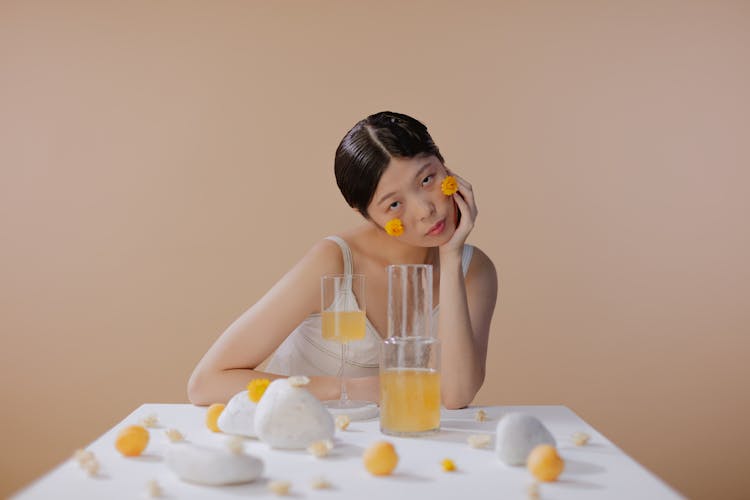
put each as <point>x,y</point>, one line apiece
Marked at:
<point>449,185</point>
<point>394,227</point>
<point>256,388</point>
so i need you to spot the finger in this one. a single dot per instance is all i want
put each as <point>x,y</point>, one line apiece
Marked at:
<point>467,214</point>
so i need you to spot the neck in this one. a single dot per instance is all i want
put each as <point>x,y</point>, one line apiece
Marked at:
<point>393,251</point>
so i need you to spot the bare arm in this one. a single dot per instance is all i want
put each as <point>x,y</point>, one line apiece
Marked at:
<point>466,307</point>
<point>230,363</point>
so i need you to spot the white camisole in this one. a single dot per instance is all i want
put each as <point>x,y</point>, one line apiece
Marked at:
<point>306,352</point>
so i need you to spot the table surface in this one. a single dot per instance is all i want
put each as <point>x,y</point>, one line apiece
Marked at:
<point>596,470</point>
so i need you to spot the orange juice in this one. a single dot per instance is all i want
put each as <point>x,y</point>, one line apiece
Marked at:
<point>343,326</point>
<point>409,400</point>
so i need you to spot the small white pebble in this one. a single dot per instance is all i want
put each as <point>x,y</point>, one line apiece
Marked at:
<point>580,438</point>
<point>298,381</point>
<point>532,491</point>
<point>236,445</point>
<point>150,420</point>
<point>320,448</point>
<point>479,440</point>
<point>320,483</point>
<point>153,490</point>
<point>174,435</point>
<point>281,488</point>
<point>342,422</point>
<point>480,416</point>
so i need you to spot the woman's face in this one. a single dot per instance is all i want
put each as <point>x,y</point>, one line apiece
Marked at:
<point>409,189</point>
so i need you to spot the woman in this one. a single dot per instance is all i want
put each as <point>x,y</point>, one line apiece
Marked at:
<point>389,170</point>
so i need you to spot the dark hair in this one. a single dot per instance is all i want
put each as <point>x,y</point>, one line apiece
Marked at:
<point>367,149</point>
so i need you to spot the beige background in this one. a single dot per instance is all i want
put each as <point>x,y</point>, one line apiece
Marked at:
<point>164,162</point>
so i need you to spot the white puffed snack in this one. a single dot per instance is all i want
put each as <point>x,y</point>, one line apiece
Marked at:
<point>174,435</point>
<point>280,487</point>
<point>479,440</point>
<point>210,466</point>
<point>288,416</point>
<point>517,435</point>
<point>150,420</point>
<point>238,417</point>
<point>342,422</point>
<point>580,438</point>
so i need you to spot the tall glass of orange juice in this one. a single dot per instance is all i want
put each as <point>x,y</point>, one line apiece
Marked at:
<point>343,320</point>
<point>410,386</point>
<point>410,357</point>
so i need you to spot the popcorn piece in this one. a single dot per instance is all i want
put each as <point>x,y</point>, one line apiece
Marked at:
<point>82,456</point>
<point>320,448</point>
<point>236,445</point>
<point>320,483</point>
<point>532,491</point>
<point>481,416</point>
<point>342,422</point>
<point>298,381</point>
<point>580,438</point>
<point>150,420</point>
<point>448,465</point>
<point>174,435</point>
<point>153,490</point>
<point>281,488</point>
<point>87,461</point>
<point>91,467</point>
<point>479,440</point>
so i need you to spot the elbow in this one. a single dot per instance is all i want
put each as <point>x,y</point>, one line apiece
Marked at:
<point>196,390</point>
<point>455,398</point>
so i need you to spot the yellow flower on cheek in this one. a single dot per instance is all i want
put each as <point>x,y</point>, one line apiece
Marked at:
<point>394,227</point>
<point>449,186</point>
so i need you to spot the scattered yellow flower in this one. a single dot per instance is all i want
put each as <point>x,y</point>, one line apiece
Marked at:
<point>449,185</point>
<point>174,435</point>
<point>448,465</point>
<point>320,448</point>
<point>481,416</point>
<point>320,483</point>
<point>479,440</point>
<point>256,388</point>
<point>151,420</point>
<point>394,227</point>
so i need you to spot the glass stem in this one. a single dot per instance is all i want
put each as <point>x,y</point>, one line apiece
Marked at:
<point>344,396</point>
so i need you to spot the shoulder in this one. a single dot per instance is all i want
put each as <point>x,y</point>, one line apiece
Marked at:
<point>324,257</point>
<point>481,269</point>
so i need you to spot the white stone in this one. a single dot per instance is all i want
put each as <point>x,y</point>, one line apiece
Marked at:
<point>290,417</point>
<point>238,417</point>
<point>517,435</point>
<point>211,466</point>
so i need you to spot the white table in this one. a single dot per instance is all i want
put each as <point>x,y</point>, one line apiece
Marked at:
<point>597,470</point>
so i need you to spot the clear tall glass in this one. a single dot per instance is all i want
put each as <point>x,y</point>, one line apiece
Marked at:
<point>410,357</point>
<point>343,318</point>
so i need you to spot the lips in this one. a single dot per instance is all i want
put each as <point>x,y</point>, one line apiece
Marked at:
<point>437,228</point>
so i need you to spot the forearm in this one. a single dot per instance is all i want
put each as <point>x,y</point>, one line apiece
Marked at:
<point>461,364</point>
<point>219,387</point>
<point>205,389</point>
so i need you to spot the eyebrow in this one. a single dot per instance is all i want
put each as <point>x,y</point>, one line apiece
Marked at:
<point>385,197</point>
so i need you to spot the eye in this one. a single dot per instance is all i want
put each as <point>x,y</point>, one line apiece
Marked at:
<point>394,205</point>
<point>427,180</point>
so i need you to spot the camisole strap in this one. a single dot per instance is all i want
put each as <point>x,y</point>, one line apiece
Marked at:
<point>344,250</point>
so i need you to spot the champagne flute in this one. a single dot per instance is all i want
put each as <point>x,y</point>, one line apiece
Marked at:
<point>343,320</point>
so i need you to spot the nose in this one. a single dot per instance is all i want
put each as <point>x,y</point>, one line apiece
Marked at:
<point>426,208</point>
